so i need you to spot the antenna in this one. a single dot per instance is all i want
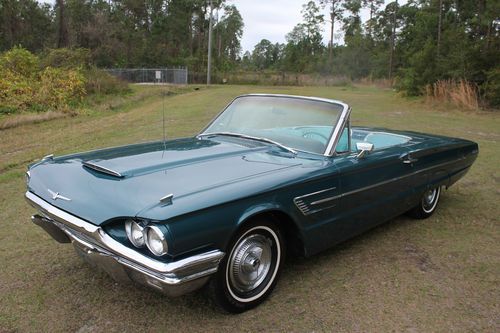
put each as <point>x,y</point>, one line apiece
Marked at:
<point>163,117</point>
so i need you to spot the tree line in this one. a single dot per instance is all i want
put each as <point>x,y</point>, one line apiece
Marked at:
<point>413,44</point>
<point>126,33</point>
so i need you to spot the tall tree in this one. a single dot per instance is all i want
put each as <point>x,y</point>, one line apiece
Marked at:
<point>440,22</point>
<point>262,54</point>
<point>335,10</point>
<point>304,42</point>
<point>373,6</point>
<point>62,31</point>
<point>351,21</point>
<point>26,23</point>
<point>393,7</point>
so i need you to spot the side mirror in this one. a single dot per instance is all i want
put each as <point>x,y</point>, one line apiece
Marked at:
<point>363,148</point>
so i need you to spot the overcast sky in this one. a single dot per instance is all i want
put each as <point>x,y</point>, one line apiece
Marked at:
<point>273,19</point>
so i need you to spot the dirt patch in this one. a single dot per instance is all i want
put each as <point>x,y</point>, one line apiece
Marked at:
<point>34,118</point>
<point>419,257</point>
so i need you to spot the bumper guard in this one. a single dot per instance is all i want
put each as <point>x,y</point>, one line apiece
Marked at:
<point>121,262</point>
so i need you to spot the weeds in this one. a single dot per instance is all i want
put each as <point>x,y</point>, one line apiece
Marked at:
<point>32,118</point>
<point>462,93</point>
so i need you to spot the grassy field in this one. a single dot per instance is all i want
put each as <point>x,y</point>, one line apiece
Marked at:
<point>437,275</point>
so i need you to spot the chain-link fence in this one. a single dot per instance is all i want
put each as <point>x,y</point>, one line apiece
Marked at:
<point>151,75</point>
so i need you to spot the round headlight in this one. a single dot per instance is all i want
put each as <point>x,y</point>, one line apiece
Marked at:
<point>155,241</point>
<point>135,233</point>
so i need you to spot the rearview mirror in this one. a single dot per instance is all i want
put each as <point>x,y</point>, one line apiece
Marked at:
<point>363,148</point>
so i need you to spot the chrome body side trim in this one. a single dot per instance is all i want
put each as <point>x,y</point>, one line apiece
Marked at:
<point>319,202</point>
<point>317,192</point>
<point>94,243</point>
<point>305,209</point>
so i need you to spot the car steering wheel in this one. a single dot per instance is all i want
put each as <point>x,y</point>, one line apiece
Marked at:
<point>315,136</point>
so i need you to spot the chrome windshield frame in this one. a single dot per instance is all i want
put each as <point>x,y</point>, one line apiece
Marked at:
<point>337,132</point>
<point>338,126</point>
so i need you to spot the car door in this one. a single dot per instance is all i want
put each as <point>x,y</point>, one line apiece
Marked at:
<point>374,188</point>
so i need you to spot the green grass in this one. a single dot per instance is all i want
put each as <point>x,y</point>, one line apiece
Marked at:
<point>440,274</point>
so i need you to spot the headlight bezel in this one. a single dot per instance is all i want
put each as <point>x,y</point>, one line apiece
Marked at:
<point>129,224</point>
<point>161,237</point>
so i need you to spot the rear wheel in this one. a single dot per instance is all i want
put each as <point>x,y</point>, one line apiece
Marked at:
<point>427,205</point>
<point>250,270</point>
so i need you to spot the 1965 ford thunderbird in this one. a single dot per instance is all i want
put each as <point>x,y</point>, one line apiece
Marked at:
<point>270,175</point>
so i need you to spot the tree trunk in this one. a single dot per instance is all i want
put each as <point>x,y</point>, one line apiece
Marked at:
<point>330,46</point>
<point>440,22</point>
<point>393,39</point>
<point>190,31</point>
<point>372,10</point>
<point>62,35</point>
<point>219,45</point>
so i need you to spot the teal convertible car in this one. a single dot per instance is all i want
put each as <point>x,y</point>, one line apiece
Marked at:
<point>271,176</point>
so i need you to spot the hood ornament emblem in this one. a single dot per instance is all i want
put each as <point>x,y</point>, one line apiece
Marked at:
<point>56,195</point>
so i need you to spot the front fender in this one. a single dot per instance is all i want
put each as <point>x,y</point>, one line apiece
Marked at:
<point>257,209</point>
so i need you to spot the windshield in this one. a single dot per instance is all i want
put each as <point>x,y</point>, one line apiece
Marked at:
<point>298,123</point>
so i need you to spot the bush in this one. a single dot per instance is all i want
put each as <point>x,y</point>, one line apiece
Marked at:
<point>101,82</point>
<point>57,80</point>
<point>59,87</point>
<point>66,58</point>
<point>19,62</point>
<point>492,87</point>
<point>16,91</point>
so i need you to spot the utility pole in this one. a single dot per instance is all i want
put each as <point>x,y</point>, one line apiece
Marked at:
<point>209,64</point>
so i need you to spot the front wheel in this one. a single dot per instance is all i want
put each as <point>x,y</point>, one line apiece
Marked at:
<point>249,271</point>
<point>427,205</point>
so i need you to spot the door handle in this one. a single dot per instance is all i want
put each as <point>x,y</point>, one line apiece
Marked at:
<point>408,159</point>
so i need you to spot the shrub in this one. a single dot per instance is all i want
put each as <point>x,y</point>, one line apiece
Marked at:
<point>492,87</point>
<point>19,61</point>
<point>59,87</point>
<point>66,58</point>
<point>61,78</point>
<point>101,82</point>
<point>16,91</point>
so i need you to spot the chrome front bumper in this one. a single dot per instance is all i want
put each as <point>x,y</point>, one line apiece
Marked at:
<point>121,262</point>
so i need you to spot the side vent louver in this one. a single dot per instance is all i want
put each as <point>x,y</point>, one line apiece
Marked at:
<point>302,206</point>
<point>317,201</point>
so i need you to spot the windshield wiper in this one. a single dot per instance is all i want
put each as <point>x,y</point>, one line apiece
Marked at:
<point>256,138</point>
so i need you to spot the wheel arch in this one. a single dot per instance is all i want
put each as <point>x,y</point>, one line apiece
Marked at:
<point>292,234</point>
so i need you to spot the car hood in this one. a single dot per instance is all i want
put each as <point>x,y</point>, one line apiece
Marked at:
<point>131,180</point>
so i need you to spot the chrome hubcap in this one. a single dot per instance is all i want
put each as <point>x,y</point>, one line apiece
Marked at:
<point>250,263</point>
<point>429,199</point>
